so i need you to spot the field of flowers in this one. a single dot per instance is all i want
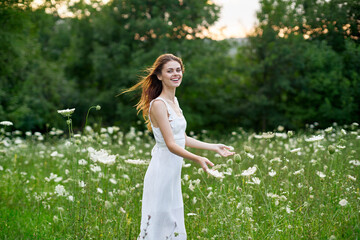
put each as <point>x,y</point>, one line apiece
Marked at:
<point>278,185</point>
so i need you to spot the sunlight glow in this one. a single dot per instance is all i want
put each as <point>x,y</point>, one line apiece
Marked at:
<point>237,19</point>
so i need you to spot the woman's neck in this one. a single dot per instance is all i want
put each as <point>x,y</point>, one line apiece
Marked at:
<point>168,94</point>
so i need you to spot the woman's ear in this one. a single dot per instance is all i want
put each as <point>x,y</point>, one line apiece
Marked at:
<point>159,76</point>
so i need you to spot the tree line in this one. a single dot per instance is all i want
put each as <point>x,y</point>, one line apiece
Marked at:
<point>301,64</point>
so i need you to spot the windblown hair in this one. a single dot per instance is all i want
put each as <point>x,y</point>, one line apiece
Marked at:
<point>151,86</point>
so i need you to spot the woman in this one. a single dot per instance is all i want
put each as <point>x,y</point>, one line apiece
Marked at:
<point>162,203</point>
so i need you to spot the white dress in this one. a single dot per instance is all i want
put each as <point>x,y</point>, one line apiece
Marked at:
<point>162,213</point>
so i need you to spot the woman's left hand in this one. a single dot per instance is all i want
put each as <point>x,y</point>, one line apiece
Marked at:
<point>223,150</point>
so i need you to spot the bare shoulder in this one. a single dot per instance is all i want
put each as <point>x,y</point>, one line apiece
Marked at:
<point>159,106</point>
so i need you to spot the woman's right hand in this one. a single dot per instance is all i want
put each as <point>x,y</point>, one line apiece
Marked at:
<point>204,162</point>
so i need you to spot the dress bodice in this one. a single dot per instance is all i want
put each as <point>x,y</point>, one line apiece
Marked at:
<point>177,123</point>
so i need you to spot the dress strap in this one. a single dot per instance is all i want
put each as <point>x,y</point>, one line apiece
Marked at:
<point>168,107</point>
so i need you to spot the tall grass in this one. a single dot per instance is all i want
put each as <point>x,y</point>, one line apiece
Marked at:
<point>303,187</point>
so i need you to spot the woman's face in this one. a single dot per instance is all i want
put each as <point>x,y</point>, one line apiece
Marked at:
<point>171,74</point>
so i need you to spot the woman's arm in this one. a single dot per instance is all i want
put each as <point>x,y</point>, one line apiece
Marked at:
<point>221,149</point>
<point>194,143</point>
<point>159,115</point>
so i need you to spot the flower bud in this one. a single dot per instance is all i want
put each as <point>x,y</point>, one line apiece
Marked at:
<point>247,149</point>
<point>290,133</point>
<point>331,149</point>
<point>68,122</point>
<point>98,107</point>
<point>237,157</point>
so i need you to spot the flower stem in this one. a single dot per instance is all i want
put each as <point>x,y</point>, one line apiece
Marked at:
<point>87,115</point>
<point>68,123</point>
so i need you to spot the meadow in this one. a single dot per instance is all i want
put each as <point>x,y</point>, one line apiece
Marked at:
<point>278,185</point>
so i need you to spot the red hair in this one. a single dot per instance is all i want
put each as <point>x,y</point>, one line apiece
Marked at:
<point>151,86</point>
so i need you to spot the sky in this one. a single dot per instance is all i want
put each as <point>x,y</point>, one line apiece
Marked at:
<point>237,18</point>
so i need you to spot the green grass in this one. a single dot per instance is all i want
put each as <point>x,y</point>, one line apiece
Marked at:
<point>295,203</point>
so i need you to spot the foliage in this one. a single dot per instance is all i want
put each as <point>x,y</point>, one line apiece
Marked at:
<point>297,75</point>
<point>300,65</point>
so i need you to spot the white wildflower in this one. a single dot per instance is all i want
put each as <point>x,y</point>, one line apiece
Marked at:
<point>343,202</point>
<point>191,187</point>
<point>110,130</point>
<point>299,171</point>
<point>277,159</point>
<point>191,214</point>
<point>351,178</point>
<point>197,182</point>
<point>186,177</point>
<point>82,184</point>
<point>107,204</point>
<point>355,162</point>
<point>52,176</point>
<point>56,154</point>
<point>113,181</point>
<point>282,135</point>
<point>60,190</point>
<point>95,168</point>
<point>99,190</point>
<point>295,150</point>
<point>268,135</point>
<point>288,209</point>
<point>315,138</point>
<point>249,171</point>
<point>329,129</point>
<point>249,210</point>
<point>137,161</point>
<point>250,155</point>
<point>82,162</point>
<point>272,173</point>
<point>256,180</point>
<point>343,131</point>
<point>215,173</point>
<point>102,156</point>
<point>186,165</point>
<point>320,174</point>
<point>272,195</point>
<point>280,128</point>
<point>71,198</point>
<point>90,149</point>
<point>66,112</point>
<point>58,179</point>
<point>6,123</point>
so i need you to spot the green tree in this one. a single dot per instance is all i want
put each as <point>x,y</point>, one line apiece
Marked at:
<point>104,60</point>
<point>297,72</point>
<point>31,87</point>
